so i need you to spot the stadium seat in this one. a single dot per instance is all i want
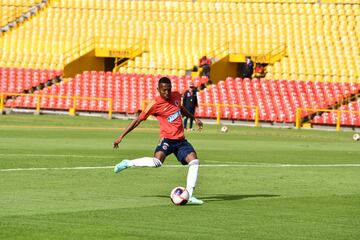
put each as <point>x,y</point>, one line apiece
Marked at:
<point>328,27</point>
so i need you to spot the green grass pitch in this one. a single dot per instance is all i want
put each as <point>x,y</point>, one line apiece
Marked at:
<point>256,183</point>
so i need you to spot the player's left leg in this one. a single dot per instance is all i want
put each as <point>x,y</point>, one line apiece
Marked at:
<point>193,163</point>
<point>187,156</point>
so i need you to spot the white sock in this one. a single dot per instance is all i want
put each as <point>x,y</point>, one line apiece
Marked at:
<point>145,162</point>
<point>192,176</point>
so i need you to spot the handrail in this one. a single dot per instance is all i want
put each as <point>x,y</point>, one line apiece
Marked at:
<point>224,49</point>
<point>89,42</point>
<point>279,51</point>
<point>162,68</point>
<point>219,105</point>
<point>219,52</point>
<point>338,111</point>
<point>99,38</point>
<point>72,110</point>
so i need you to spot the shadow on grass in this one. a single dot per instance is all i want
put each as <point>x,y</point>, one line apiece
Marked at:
<point>226,197</point>
<point>230,197</point>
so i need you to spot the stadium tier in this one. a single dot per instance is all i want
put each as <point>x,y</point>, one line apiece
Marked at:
<point>310,48</point>
<point>14,80</point>
<point>277,101</point>
<point>350,118</point>
<point>10,9</point>
<point>94,90</point>
<point>322,40</point>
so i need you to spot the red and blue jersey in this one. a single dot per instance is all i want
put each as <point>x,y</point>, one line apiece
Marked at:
<point>168,113</point>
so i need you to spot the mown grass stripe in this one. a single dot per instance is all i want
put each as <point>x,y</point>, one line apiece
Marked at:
<point>203,165</point>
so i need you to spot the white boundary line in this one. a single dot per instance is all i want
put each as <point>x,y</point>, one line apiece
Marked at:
<point>45,169</point>
<point>54,155</point>
<point>202,165</point>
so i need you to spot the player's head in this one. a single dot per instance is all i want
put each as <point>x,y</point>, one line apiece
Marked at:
<point>164,87</point>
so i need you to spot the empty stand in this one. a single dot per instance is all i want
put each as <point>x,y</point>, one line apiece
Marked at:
<point>321,66</point>
<point>322,40</point>
<point>14,80</point>
<point>10,10</point>
<point>277,100</point>
<point>128,92</point>
<point>350,116</point>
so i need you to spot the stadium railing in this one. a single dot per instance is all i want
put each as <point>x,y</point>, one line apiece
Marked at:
<point>218,110</point>
<point>338,112</point>
<point>72,110</point>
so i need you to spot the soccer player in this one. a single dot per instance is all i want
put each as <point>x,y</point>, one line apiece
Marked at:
<point>168,110</point>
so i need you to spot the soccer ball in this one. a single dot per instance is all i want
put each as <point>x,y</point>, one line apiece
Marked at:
<point>356,137</point>
<point>179,196</point>
<point>224,129</point>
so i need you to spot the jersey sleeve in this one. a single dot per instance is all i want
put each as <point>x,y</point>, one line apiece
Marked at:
<point>177,95</point>
<point>148,110</point>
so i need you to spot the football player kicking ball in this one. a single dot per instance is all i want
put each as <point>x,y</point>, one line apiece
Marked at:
<point>168,110</point>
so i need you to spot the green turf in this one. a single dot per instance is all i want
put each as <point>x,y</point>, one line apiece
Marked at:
<point>248,197</point>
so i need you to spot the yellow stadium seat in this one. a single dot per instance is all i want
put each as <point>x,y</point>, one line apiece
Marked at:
<point>182,28</point>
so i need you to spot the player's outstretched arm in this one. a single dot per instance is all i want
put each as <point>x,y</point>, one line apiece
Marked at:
<point>186,113</point>
<point>128,129</point>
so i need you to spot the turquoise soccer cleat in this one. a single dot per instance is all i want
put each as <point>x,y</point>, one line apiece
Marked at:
<point>121,166</point>
<point>194,201</point>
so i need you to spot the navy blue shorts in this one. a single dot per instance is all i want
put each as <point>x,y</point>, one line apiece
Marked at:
<point>181,148</point>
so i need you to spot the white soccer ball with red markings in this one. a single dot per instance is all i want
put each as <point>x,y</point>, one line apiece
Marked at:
<point>179,196</point>
<point>356,137</point>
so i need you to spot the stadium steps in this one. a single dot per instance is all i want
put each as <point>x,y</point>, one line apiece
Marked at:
<point>13,14</point>
<point>32,90</point>
<point>343,101</point>
<point>349,116</point>
<point>25,81</point>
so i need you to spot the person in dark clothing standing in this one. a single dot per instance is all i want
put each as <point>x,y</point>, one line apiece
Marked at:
<point>190,103</point>
<point>248,68</point>
<point>205,63</point>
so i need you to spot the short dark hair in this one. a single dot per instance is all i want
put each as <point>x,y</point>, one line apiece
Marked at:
<point>164,80</point>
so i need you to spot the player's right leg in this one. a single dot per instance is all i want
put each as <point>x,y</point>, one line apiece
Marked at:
<point>156,161</point>
<point>124,164</point>
<point>139,162</point>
